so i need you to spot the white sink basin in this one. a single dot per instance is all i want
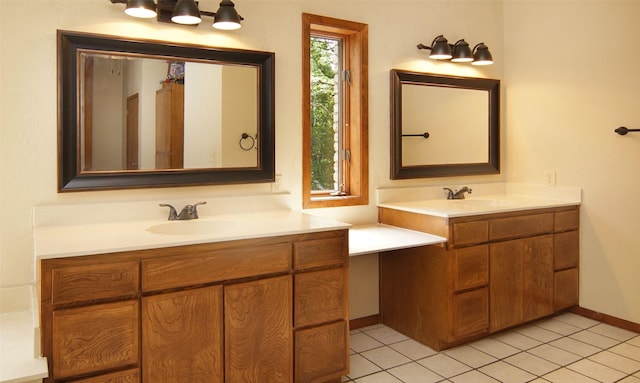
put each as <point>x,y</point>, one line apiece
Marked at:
<point>197,227</point>
<point>487,203</point>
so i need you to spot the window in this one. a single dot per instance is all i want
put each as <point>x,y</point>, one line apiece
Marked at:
<point>335,112</point>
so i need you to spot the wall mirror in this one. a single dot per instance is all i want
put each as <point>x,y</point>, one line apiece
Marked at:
<point>139,113</point>
<point>443,125</point>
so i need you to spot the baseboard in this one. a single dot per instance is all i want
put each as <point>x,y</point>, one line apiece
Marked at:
<point>357,323</point>
<point>608,319</point>
<point>364,321</point>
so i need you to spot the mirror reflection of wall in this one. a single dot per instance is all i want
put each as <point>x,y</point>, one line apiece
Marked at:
<point>455,119</point>
<point>119,120</point>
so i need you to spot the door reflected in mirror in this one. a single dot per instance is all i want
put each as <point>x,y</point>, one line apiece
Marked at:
<point>153,114</point>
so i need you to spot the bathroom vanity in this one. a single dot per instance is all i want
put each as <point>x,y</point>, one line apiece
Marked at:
<point>271,306</point>
<point>506,261</point>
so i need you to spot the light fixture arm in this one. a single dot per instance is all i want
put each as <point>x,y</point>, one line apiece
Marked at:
<point>213,14</point>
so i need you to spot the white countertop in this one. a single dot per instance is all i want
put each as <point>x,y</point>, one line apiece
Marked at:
<point>96,238</point>
<point>366,239</point>
<point>17,360</point>
<point>487,204</point>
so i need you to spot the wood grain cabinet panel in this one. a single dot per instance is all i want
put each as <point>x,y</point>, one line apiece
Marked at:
<point>182,336</point>
<point>94,281</point>
<point>537,277</point>
<point>520,226</point>
<point>192,269</point>
<point>521,280</point>
<point>566,288</point>
<point>127,376</point>
<point>470,313</point>
<point>258,336</point>
<point>566,220</point>
<point>469,233</point>
<point>566,250</point>
<point>470,267</point>
<point>320,252</point>
<point>95,338</point>
<point>319,297</point>
<point>507,284</point>
<point>321,353</point>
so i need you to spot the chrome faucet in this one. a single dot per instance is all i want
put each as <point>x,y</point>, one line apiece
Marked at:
<point>458,194</point>
<point>188,212</point>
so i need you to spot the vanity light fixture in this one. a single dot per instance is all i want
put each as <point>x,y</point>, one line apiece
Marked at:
<point>481,55</point>
<point>458,52</point>
<point>461,52</point>
<point>440,48</point>
<point>183,12</point>
<point>186,12</point>
<point>145,9</point>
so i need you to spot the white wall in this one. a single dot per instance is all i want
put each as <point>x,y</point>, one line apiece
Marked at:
<point>572,76</point>
<point>564,125</point>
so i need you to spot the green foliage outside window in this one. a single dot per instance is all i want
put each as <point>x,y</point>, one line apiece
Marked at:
<point>324,52</point>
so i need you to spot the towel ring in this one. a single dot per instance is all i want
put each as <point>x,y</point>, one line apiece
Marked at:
<point>247,147</point>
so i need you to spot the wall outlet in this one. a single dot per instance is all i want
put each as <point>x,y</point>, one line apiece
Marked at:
<point>275,185</point>
<point>550,177</point>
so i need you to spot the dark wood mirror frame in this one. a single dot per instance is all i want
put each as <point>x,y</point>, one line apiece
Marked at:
<point>70,178</point>
<point>492,166</point>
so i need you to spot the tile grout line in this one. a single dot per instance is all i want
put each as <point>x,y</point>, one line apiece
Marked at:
<point>536,376</point>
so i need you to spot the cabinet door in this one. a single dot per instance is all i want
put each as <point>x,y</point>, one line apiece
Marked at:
<point>566,288</point>
<point>95,338</point>
<point>320,296</point>
<point>566,250</point>
<point>470,267</point>
<point>470,313</point>
<point>258,337</point>
<point>506,286</point>
<point>538,277</point>
<point>182,336</point>
<point>321,353</point>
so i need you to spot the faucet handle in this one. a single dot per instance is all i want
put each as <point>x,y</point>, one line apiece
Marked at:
<point>195,206</point>
<point>449,193</point>
<point>173,214</point>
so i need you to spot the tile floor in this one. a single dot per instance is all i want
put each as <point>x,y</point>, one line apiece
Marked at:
<point>565,349</point>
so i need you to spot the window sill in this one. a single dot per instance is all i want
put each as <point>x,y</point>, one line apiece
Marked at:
<point>335,201</point>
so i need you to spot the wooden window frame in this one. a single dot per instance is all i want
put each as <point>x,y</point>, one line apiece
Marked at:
<point>356,127</point>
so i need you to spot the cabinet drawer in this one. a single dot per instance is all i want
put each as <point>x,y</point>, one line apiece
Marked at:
<point>320,252</point>
<point>566,289</point>
<point>321,353</point>
<point>470,267</point>
<point>521,226</point>
<point>471,313</point>
<point>95,281</point>
<point>319,297</point>
<point>95,338</point>
<point>470,233</point>
<point>566,250</point>
<point>566,220</point>
<point>128,376</point>
<point>208,267</point>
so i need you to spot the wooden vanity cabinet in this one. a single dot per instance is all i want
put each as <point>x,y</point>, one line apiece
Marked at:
<point>270,309</point>
<point>496,271</point>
